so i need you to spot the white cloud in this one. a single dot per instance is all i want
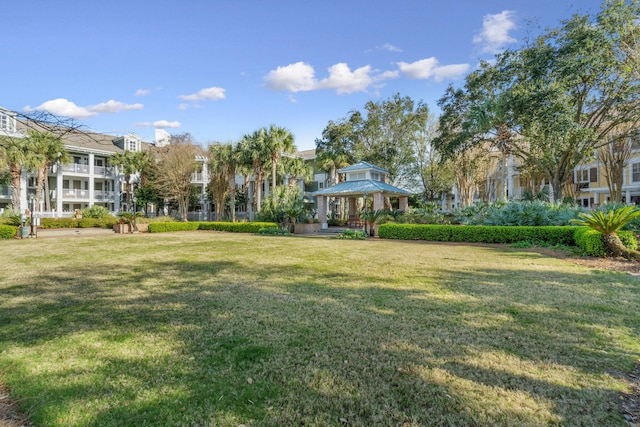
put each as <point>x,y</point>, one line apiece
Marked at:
<point>159,124</point>
<point>450,72</point>
<point>495,31</point>
<point>112,106</point>
<point>430,67</point>
<point>344,80</point>
<point>422,69</point>
<point>300,77</point>
<point>142,92</point>
<point>183,107</point>
<point>206,94</point>
<point>389,47</point>
<point>62,107</point>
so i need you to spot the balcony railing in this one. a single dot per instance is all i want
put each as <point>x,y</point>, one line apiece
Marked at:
<point>76,168</point>
<point>104,171</point>
<point>104,196</point>
<point>198,177</point>
<point>68,193</point>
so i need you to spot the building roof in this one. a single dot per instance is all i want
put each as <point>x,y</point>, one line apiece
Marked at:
<point>306,154</point>
<point>362,166</point>
<point>353,188</point>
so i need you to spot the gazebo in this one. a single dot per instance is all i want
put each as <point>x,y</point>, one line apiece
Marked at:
<point>363,180</point>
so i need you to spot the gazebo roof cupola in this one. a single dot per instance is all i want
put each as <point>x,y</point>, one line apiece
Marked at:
<point>363,170</point>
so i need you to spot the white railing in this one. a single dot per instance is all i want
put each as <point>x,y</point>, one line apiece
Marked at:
<point>75,194</point>
<point>104,171</point>
<point>198,177</point>
<point>104,196</point>
<point>76,168</point>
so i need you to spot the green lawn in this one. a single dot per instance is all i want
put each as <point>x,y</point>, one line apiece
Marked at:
<point>214,329</point>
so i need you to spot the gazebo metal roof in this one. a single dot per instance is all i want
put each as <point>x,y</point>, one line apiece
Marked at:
<point>360,187</point>
<point>362,166</point>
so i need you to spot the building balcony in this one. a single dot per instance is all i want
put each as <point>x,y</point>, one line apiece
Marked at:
<point>107,172</point>
<point>104,196</point>
<point>76,168</point>
<point>70,194</point>
<point>198,177</point>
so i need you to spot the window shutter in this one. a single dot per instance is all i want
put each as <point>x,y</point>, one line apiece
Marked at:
<point>593,175</point>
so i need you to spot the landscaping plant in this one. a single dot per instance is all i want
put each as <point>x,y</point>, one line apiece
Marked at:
<point>608,224</point>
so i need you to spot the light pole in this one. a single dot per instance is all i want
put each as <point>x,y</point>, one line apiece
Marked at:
<point>135,224</point>
<point>31,207</point>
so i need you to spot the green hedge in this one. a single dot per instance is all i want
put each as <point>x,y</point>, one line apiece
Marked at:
<point>106,222</point>
<point>591,242</point>
<point>237,227</point>
<point>553,235</point>
<point>8,231</point>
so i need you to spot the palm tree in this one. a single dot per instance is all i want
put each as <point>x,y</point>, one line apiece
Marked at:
<point>223,162</point>
<point>18,155</point>
<point>608,224</point>
<point>256,153</point>
<point>298,170</point>
<point>278,141</point>
<point>129,163</point>
<point>47,149</point>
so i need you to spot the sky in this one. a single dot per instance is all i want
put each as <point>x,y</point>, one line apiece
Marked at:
<point>220,69</point>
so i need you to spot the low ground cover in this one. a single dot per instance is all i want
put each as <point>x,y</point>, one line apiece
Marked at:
<point>212,328</point>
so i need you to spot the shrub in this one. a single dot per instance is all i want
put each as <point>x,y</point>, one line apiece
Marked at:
<point>349,234</point>
<point>534,212</point>
<point>58,223</point>
<point>8,231</point>
<point>552,235</point>
<point>95,211</point>
<point>237,227</point>
<point>162,227</point>
<point>336,222</point>
<point>591,242</point>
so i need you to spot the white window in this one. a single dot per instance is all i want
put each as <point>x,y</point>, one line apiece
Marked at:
<point>635,172</point>
<point>133,145</point>
<point>375,176</point>
<point>7,123</point>
<point>320,185</point>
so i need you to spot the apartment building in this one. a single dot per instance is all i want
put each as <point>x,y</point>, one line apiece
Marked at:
<point>89,179</point>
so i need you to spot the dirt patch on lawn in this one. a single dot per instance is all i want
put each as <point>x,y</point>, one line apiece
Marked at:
<point>9,414</point>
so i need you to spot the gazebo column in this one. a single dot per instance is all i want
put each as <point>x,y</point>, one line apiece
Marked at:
<point>353,207</point>
<point>404,204</point>
<point>378,201</point>
<point>322,211</point>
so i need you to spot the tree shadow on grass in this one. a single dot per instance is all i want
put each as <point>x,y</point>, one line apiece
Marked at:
<point>246,342</point>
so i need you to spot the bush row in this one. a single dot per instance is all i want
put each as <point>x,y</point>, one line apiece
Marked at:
<point>553,235</point>
<point>591,242</point>
<point>107,222</point>
<point>237,227</point>
<point>8,231</point>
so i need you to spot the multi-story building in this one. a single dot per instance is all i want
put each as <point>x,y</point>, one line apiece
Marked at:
<point>89,179</point>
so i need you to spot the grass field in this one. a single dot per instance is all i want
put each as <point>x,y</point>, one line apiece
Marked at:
<point>214,329</point>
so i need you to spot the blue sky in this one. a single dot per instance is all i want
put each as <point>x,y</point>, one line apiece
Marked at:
<point>222,68</point>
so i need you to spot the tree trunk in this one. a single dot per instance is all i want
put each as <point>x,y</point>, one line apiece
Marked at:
<point>15,170</point>
<point>614,244</point>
